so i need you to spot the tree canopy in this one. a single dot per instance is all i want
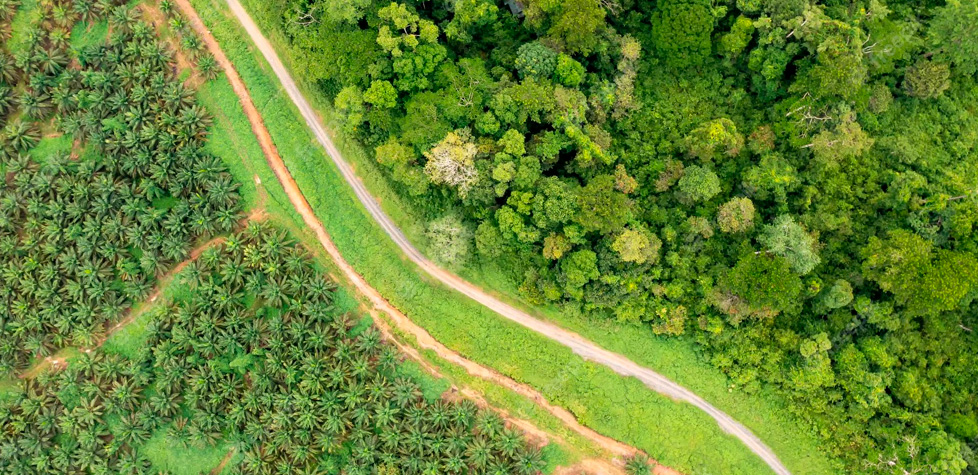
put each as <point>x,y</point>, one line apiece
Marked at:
<point>788,183</point>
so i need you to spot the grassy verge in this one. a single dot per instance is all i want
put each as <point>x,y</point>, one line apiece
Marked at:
<point>171,455</point>
<point>232,140</point>
<point>20,24</point>
<point>676,434</point>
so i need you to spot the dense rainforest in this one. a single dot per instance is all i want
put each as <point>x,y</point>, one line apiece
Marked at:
<point>792,184</point>
<point>108,185</point>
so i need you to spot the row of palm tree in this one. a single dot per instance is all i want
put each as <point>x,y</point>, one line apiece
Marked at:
<point>7,10</point>
<point>193,45</point>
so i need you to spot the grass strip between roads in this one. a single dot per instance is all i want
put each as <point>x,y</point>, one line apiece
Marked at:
<point>232,140</point>
<point>675,434</point>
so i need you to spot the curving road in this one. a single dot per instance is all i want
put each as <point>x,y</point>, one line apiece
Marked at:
<point>584,348</point>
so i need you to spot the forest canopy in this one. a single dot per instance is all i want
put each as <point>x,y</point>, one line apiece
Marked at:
<point>792,184</point>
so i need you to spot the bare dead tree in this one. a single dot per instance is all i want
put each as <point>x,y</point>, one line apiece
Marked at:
<point>306,19</point>
<point>893,465</point>
<point>610,6</point>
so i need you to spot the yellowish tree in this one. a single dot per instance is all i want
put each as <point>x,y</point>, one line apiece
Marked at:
<point>452,162</point>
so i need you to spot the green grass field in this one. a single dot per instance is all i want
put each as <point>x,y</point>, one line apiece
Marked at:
<point>675,434</point>
<point>20,23</point>
<point>171,455</point>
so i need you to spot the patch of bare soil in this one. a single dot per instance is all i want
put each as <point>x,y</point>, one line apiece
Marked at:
<point>220,468</point>
<point>155,17</point>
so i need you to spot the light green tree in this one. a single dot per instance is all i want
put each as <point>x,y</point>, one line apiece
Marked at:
<point>350,103</point>
<point>681,30</point>
<point>837,296</point>
<point>344,11</point>
<point>403,30</point>
<point>846,140</point>
<point>698,184</point>
<point>773,177</point>
<point>923,279</point>
<point>575,23</point>
<point>381,94</point>
<point>637,245</point>
<point>736,215</point>
<point>401,160</point>
<point>601,207</point>
<point>733,43</point>
<point>927,79</point>
<point>555,246</point>
<point>449,240</point>
<point>714,137</point>
<point>579,268</point>
<point>452,162</point>
<point>469,15</point>
<point>760,285</point>
<point>786,238</point>
<point>569,72</point>
<point>954,32</point>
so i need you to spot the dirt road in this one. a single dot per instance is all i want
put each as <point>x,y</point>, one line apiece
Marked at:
<point>58,359</point>
<point>401,321</point>
<point>579,345</point>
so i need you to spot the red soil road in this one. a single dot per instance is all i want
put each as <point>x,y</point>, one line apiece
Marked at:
<point>581,346</point>
<point>425,340</point>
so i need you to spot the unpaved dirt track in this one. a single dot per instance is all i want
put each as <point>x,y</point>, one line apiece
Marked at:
<point>130,315</point>
<point>579,345</point>
<point>401,321</point>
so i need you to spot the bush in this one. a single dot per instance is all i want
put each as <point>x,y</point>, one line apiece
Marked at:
<point>536,60</point>
<point>962,426</point>
<point>450,240</point>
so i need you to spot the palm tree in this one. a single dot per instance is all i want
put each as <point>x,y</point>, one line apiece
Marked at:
<point>638,465</point>
<point>7,100</point>
<point>35,105</point>
<point>54,61</point>
<point>8,68</point>
<point>132,431</point>
<point>511,444</point>
<point>405,392</point>
<point>123,18</point>
<point>7,9</point>
<point>20,136</point>
<point>208,67</point>
<point>87,413</point>
<point>489,424</point>
<point>462,414</point>
<point>165,405</point>
<point>478,455</point>
<point>64,17</point>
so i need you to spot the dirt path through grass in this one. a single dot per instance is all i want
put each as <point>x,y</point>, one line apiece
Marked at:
<point>404,324</point>
<point>578,344</point>
<point>61,357</point>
